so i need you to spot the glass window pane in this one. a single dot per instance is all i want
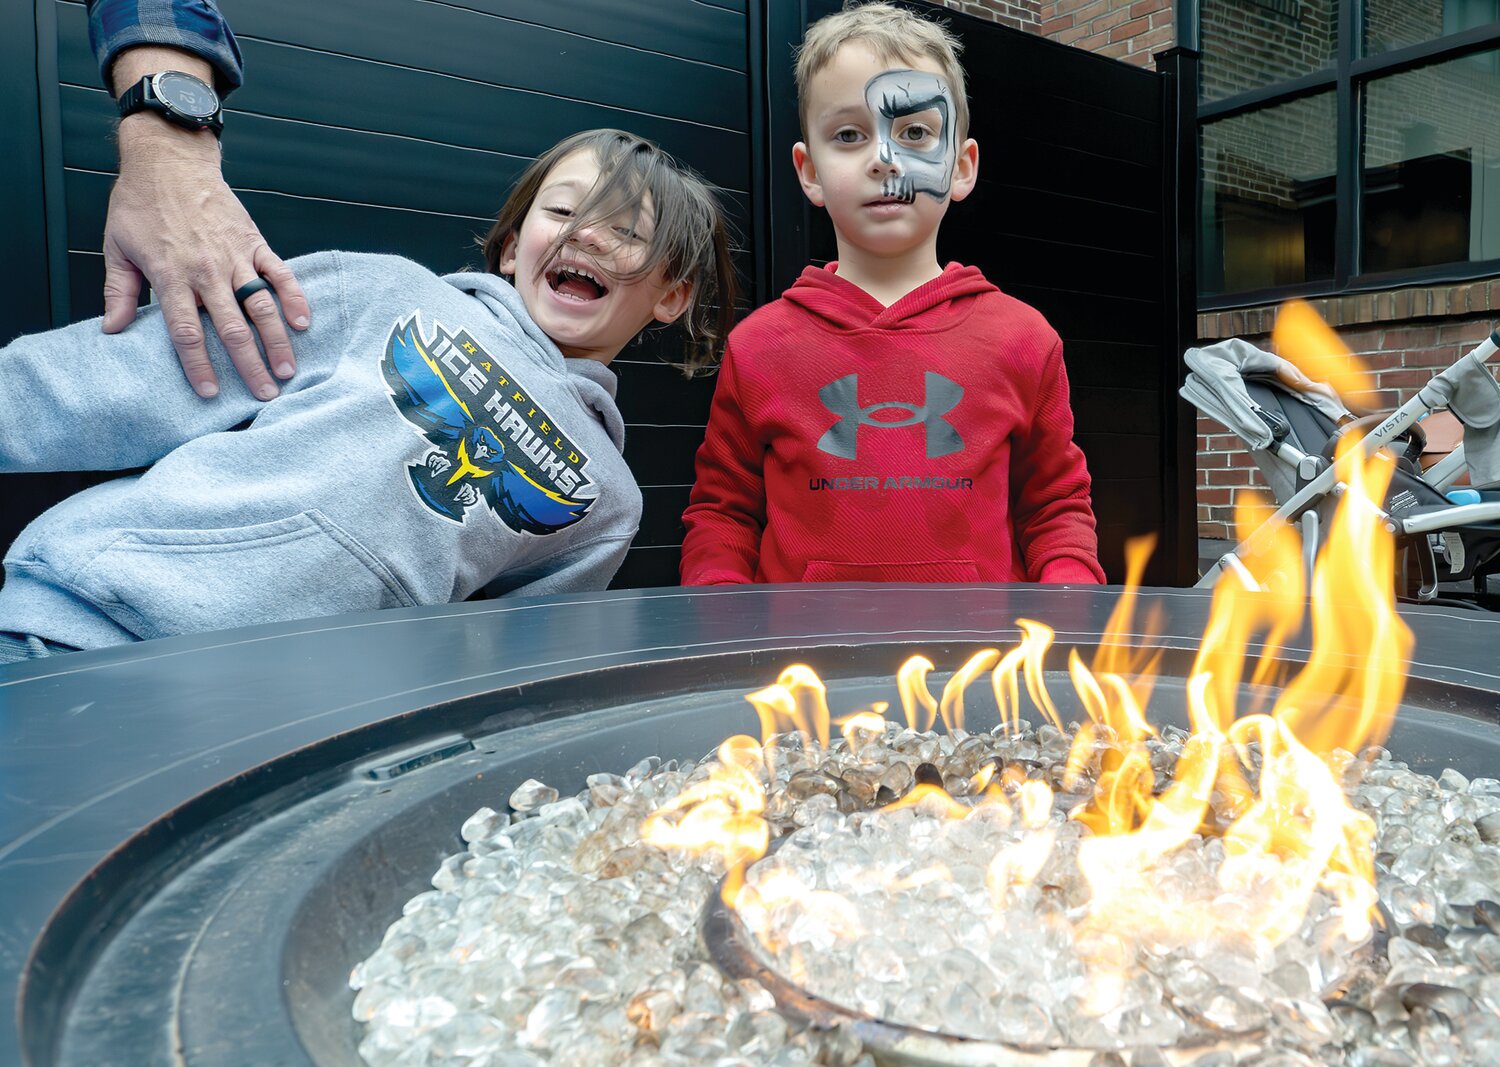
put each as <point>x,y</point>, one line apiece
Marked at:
<point>1392,24</point>
<point>1268,189</point>
<point>1432,166</point>
<point>1249,44</point>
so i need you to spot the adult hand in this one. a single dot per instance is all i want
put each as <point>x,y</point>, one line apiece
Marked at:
<point>174,224</point>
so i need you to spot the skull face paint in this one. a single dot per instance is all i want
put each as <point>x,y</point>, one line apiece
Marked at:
<point>926,165</point>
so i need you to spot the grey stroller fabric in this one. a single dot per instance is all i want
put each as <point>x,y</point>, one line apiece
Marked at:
<point>1216,386</point>
<point>1469,391</point>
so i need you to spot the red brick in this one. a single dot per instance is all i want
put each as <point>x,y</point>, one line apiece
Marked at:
<point>1406,380</point>
<point>1155,41</point>
<point>1215,496</point>
<point>1090,12</point>
<point>1055,25</point>
<point>1465,332</point>
<point>1127,30</point>
<point>1408,337</point>
<point>1211,459</point>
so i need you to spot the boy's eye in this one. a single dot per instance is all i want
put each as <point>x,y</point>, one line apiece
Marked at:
<point>848,136</point>
<point>915,133</point>
<point>628,233</point>
<point>560,210</point>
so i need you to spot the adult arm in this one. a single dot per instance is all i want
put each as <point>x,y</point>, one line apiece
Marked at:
<point>1050,509</point>
<point>726,511</point>
<point>173,222</point>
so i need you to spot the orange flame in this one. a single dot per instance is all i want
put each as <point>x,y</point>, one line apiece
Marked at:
<point>1267,783</point>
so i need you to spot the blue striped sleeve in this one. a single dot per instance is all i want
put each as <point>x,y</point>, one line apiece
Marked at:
<point>192,25</point>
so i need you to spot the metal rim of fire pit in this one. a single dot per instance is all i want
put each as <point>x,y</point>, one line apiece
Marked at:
<point>735,952</point>
<point>212,748</point>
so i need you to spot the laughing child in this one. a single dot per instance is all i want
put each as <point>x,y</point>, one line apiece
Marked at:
<point>443,434</point>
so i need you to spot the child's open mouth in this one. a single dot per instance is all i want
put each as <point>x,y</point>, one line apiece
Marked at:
<point>576,283</point>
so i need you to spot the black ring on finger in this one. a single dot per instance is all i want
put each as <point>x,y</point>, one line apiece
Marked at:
<point>249,289</point>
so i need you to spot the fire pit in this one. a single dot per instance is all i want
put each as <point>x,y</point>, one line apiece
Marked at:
<point>1094,889</point>
<point>269,799</point>
<point>1195,885</point>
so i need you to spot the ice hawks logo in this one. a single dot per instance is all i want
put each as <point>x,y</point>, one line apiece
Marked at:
<point>492,441</point>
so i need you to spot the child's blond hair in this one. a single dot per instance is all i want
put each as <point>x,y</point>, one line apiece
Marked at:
<point>896,35</point>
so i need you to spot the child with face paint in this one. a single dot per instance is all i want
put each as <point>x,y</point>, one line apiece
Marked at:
<point>442,433</point>
<point>888,418</point>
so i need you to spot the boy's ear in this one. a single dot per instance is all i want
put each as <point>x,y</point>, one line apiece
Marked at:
<point>807,174</point>
<point>675,301</point>
<point>508,254</point>
<point>965,169</point>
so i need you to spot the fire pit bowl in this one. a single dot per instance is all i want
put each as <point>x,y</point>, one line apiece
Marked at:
<point>202,836</point>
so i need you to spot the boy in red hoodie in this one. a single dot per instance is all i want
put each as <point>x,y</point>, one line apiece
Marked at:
<point>889,419</point>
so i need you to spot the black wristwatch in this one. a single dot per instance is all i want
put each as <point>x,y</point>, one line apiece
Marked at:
<point>180,98</point>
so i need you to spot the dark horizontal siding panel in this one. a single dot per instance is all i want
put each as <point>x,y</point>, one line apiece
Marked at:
<point>648,568</point>
<point>353,93</point>
<point>653,392</point>
<point>1072,124</point>
<point>1101,410</point>
<point>687,28</point>
<point>690,29</point>
<point>295,226</point>
<point>661,525</point>
<point>1114,456</point>
<point>662,455</point>
<point>1111,365</point>
<point>322,162</point>
<point>1053,265</point>
<point>1096,316</point>
<point>450,40</point>
<point>86,285</point>
<point>1071,170</point>
<point>1020,72</point>
<point>1084,226</point>
<point>416,103</point>
<point>1135,503</point>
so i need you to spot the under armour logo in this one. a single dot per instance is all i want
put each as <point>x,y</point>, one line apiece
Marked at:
<point>842,398</point>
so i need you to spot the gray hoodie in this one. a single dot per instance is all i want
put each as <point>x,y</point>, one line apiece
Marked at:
<point>433,440</point>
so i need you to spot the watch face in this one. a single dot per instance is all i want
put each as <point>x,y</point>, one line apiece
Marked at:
<point>186,94</point>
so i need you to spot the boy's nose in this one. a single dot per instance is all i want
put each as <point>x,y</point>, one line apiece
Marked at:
<point>885,159</point>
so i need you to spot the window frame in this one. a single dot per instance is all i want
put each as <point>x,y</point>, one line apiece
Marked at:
<point>1348,77</point>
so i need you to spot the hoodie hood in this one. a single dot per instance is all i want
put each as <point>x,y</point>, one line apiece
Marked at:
<point>845,306</point>
<point>592,381</point>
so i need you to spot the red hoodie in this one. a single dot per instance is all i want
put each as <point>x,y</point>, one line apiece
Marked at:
<point>928,441</point>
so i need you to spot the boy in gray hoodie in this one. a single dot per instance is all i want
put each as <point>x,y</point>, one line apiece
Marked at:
<point>442,434</point>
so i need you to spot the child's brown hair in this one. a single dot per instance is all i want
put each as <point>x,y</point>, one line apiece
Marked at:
<point>894,34</point>
<point>689,242</point>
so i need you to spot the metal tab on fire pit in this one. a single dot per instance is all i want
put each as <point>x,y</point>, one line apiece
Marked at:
<point>732,948</point>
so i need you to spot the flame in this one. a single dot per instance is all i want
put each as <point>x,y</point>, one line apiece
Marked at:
<point>1309,344</point>
<point>1265,778</point>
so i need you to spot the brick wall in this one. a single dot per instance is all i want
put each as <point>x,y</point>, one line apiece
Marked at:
<point>1128,30</point>
<point>1415,333</point>
<point>1017,14</point>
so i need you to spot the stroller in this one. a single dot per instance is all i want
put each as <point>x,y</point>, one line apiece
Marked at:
<point>1292,432</point>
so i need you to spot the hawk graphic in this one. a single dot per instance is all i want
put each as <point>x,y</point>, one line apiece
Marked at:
<point>486,448</point>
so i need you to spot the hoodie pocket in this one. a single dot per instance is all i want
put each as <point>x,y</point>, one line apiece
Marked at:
<point>159,583</point>
<point>939,570</point>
